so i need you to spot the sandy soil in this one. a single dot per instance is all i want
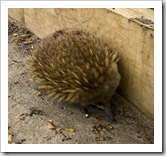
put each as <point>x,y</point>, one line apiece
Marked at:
<point>33,119</point>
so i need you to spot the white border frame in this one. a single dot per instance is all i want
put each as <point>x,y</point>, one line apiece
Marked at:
<point>156,147</point>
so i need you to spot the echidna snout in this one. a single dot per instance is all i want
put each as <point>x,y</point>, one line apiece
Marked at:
<point>77,67</point>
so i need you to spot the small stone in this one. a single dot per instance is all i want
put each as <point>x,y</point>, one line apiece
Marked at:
<point>86,115</point>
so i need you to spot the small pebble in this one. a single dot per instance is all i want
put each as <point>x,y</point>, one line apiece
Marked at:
<point>86,115</point>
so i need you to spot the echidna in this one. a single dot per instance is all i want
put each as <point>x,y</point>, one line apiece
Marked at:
<point>77,67</point>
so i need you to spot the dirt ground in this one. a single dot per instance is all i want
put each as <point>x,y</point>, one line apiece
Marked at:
<point>33,119</point>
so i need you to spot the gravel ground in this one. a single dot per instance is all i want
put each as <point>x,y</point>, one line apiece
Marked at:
<point>33,119</point>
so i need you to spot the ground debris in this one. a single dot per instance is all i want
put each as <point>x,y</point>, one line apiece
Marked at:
<point>58,129</point>
<point>38,93</point>
<point>69,129</point>
<point>25,35</point>
<point>10,136</point>
<point>21,116</point>
<point>66,138</point>
<point>143,20</point>
<point>29,41</point>
<point>52,126</point>
<point>26,38</point>
<point>20,35</point>
<point>20,141</point>
<point>98,129</point>
<point>35,111</point>
<point>100,139</point>
<point>15,38</point>
<point>110,126</point>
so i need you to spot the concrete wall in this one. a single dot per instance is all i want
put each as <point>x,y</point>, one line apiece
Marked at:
<point>130,31</point>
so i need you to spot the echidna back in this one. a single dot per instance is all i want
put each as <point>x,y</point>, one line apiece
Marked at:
<point>71,64</point>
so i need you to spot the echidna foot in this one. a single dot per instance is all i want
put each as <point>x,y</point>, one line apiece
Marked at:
<point>85,109</point>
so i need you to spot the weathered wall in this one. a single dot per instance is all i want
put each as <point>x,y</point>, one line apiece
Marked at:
<point>133,38</point>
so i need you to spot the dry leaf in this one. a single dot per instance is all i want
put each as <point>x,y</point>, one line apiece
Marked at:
<point>51,125</point>
<point>110,126</point>
<point>21,117</point>
<point>70,129</point>
<point>98,128</point>
<point>38,93</point>
<point>100,139</point>
<point>58,129</point>
<point>28,42</point>
<point>10,137</point>
<point>25,35</point>
<point>15,38</point>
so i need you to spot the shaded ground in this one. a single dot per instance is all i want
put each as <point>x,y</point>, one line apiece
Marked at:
<point>35,120</point>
